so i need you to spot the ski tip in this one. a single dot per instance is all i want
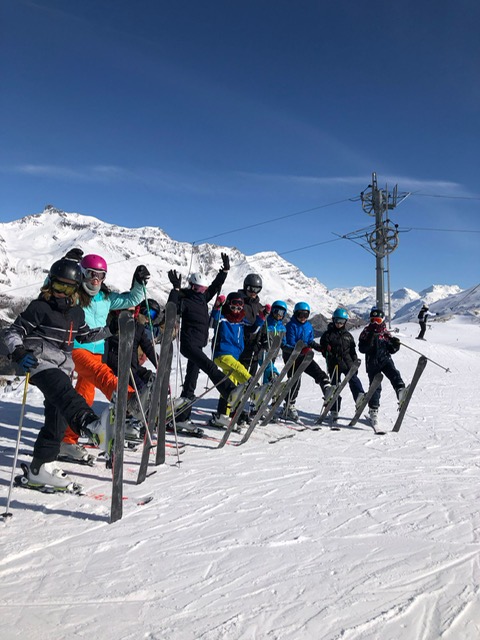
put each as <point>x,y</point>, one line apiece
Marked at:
<point>7,514</point>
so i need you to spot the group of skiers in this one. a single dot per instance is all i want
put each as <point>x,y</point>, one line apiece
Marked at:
<point>73,325</point>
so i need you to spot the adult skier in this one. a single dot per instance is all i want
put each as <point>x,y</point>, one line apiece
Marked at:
<point>338,347</point>
<point>192,305</point>
<point>299,328</point>
<point>378,345</point>
<point>422,320</point>
<point>97,300</point>
<point>41,341</point>
<point>254,319</point>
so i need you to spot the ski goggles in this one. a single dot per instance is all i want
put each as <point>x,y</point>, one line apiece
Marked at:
<point>251,289</point>
<point>377,320</point>
<point>64,287</point>
<point>340,322</point>
<point>91,274</point>
<point>236,305</point>
<point>302,314</point>
<point>278,312</point>
<point>153,313</point>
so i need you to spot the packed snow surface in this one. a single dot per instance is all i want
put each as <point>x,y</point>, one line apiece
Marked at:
<point>295,535</point>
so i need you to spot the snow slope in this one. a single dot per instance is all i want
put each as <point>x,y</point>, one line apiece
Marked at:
<point>321,535</point>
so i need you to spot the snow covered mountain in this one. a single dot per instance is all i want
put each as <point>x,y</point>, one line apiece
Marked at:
<point>29,246</point>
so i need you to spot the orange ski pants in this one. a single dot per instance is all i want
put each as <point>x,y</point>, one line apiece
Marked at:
<point>92,374</point>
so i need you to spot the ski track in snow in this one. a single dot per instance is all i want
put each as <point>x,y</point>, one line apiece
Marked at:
<point>324,536</point>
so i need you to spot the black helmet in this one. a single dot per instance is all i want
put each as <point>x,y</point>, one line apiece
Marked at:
<point>152,306</point>
<point>66,269</point>
<point>253,282</point>
<point>376,313</point>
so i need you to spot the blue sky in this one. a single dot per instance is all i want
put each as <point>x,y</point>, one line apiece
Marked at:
<point>207,117</point>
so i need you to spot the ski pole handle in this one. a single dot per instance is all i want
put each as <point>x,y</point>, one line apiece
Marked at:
<point>429,359</point>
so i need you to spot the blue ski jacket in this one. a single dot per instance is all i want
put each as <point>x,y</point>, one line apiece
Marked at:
<point>230,339</point>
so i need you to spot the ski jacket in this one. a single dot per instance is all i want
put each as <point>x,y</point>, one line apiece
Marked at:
<point>193,309</point>
<point>102,303</point>
<point>377,344</point>
<point>271,328</point>
<point>253,321</point>
<point>50,333</point>
<point>424,314</point>
<point>338,347</point>
<point>296,331</point>
<point>230,339</point>
<point>142,338</point>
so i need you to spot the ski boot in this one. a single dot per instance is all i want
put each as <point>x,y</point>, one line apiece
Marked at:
<point>75,452</point>
<point>46,477</point>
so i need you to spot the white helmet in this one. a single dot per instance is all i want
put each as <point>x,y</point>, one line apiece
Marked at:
<point>199,279</point>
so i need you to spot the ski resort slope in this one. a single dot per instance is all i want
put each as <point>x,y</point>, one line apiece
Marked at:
<point>318,536</point>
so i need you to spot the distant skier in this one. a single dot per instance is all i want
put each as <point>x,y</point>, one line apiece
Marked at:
<point>422,320</point>
<point>378,345</point>
<point>338,348</point>
<point>41,341</point>
<point>299,328</point>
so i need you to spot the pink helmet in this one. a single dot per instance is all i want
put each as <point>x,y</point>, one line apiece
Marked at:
<point>92,261</point>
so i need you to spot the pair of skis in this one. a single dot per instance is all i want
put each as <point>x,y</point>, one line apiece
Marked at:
<point>419,369</point>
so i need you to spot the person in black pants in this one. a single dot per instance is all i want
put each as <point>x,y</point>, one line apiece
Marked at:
<point>192,305</point>
<point>422,320</point>
<point>378,345</point>
<point>40,341</point>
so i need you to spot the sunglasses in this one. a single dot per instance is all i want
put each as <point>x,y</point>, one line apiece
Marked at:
<point>236,308</point>
<point>91,274</point>
<point>377,320</point>
<point>251,289</point>
<point>64,287</point>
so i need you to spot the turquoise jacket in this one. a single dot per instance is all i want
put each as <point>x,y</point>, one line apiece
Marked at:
<point>97,311</point>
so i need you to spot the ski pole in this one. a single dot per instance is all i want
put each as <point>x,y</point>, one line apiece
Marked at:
<point>7,513</point>
<point>429,359</point>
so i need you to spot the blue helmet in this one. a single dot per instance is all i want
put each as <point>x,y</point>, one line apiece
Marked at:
<point>340,314</point>
<point>301,306</point>
<point>280,304</point>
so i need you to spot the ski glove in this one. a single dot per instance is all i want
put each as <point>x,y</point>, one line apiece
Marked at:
<point>226,262</point>
<point>393,345</point>
<point>25,358</point>
<point>175,278</point>
<point>142,274</point>
<point>74,254</point>
<point>316,347</point>
<point>219,302</point>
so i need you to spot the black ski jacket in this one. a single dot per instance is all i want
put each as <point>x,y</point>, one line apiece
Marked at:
<point>142,338</point>
<point>377,344</point>
<point>49,331</point>
<point>338,347</point>
<point>193,309</point>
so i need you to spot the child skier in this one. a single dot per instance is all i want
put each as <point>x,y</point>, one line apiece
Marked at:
<point>299,328</point>
<point>41,341</point>
<point>378,344</point>
<point>338,347</point>
<point>273,326</point>
<point>228,347</point>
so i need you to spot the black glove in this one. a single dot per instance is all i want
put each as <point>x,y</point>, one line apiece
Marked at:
<point>175,279</point>
<point>25,358</point>
<point>226,262</point>
<point>393,344</point>
<point>74,254</point>
<point>315,346</point>
<point>142,274</point>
